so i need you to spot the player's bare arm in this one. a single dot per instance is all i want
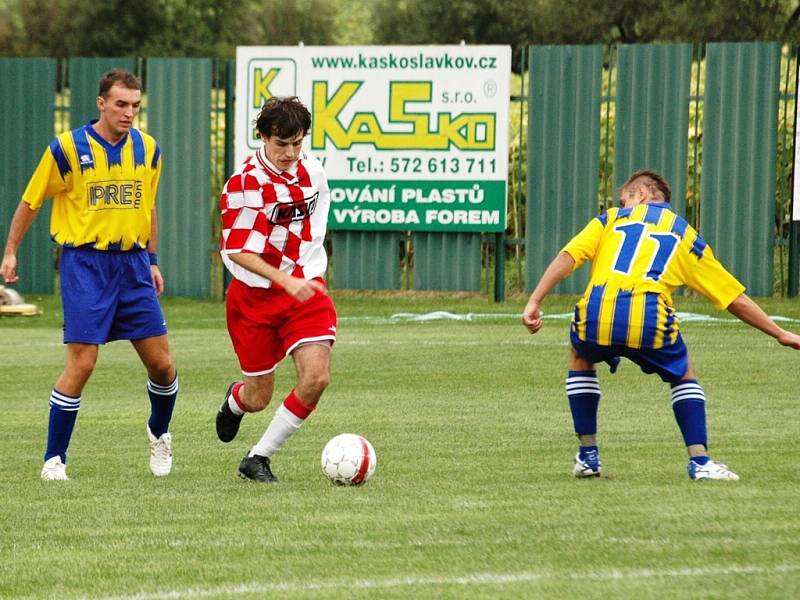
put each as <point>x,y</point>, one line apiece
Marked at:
<point>559,269</point>
<point>296,287</point>
<point>745,309</point>
<point>23,217</point>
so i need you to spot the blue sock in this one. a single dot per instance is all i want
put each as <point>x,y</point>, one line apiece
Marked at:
<point>583,393</point>
<point>700,460</point>
<point>63,414</point>
<point>689,406</point>
<point>162,403</point>
<point>584,451</point>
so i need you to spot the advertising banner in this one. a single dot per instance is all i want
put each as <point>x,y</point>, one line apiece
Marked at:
<point>411,137</point>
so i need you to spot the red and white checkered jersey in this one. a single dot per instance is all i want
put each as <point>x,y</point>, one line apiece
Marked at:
<point>280,215</point>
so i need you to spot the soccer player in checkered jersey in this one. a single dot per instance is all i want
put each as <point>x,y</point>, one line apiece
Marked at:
<point>640,253</point>
<point>274,218</point>
<point>103,178</point>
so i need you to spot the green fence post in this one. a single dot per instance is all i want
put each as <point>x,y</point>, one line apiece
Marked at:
<point>794,263</point>
<point>230,119</point>
<point>500,266</point>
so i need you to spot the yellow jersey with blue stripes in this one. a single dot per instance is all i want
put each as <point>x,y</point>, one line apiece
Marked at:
<point>102,193</point>
<point>639,256</point>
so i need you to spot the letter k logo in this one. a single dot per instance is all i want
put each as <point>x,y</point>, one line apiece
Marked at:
<point>261,83</point>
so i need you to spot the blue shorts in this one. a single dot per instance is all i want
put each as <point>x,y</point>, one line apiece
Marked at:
<point>670,362</point>
<point>108,296</point>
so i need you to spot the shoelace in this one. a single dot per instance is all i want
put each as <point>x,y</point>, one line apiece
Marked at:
<point>161,449</point>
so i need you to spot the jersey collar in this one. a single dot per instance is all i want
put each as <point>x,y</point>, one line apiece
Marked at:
<point>101,140</point>
<point>289,176</point>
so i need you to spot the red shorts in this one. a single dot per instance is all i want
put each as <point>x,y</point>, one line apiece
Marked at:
<point>266,325</point>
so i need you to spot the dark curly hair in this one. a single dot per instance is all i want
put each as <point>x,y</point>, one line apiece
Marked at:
<point>284,117</point>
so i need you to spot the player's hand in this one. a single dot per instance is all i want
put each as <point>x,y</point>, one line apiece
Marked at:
<point>158,280</point>
<point>792,340</point>
<point>303,289</point>
<point>8,268</point>
<point>532,316</point>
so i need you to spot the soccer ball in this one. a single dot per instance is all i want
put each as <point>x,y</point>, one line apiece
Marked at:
<point>349,459</point>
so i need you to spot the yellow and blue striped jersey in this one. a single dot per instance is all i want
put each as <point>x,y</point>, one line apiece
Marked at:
<point>102,193</point>
<point>639,257</point>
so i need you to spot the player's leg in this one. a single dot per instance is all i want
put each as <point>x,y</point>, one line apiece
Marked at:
<point>162,390</point>
<point>253,394</point>
<point>139,318</point>
<point>65,401</point>
<point>689,408</point>
<point>583,394</point>
<point>312,362</point>
<point>252,316</point>
<point>162,381</point>
<point>88,301</point>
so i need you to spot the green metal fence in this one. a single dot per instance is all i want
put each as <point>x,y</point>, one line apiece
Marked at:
<point>737,214</point>
<point>27,112</point>
<point>708,117</point>
<point>652,114</point>
<point>563,157</point>
<point>179,109</point>
<point>718,120</point>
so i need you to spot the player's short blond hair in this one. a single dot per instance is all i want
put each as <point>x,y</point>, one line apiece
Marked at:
<point>654,182</point>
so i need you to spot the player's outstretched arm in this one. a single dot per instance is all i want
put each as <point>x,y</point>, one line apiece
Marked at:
<point>559,269</point>
<point>20,222</point>
<point>747,310</point>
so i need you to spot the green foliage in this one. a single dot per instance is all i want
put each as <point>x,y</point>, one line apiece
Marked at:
<point>215,28</point>
<point>160,27</point>
<point>472,498</point>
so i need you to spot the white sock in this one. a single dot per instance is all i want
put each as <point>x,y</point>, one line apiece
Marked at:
<point>233,406</point>
<point>284,424</point>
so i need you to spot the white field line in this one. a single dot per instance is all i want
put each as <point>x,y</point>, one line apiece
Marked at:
<point>484,579</point>
<point>441,315</point>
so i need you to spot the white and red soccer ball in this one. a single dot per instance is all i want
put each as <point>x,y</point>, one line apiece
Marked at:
<point>348,459</point>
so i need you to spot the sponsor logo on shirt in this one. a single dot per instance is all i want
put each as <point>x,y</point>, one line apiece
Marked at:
<point>116,194</point>
<point>288,212</point>
<point>86,160</point>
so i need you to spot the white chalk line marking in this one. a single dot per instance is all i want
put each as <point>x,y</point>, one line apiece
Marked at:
<point>486,579</point>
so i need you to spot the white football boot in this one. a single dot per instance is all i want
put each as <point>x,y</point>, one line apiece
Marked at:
<point>160,453</point>
<point>710,470</point>
<point>54,470</point>
<point>587,466</point>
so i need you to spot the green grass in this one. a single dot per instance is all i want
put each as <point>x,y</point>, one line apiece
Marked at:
<point>472,497</point>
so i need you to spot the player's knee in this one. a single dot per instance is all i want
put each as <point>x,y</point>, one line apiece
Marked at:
<point>316,382</point>
<point>259,400</point>
<point>81,363</point>
<point>257,395</point>
<point>83,366</point>
<point>161,370</point>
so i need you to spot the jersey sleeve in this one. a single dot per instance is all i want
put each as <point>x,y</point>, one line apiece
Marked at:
<point>156,178</point>
<point>244,226</point>
<point>706,275</point>
<point>583,246</point>
<point>49,177</point>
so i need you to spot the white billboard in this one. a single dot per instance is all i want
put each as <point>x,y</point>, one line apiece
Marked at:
<point>412,137</point>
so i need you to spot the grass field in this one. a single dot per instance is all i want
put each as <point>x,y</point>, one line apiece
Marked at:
<point>472,498</point>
